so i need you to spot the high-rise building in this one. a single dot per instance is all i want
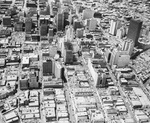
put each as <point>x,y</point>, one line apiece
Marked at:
<point>60,22</point>
<point>47,67</point>
<point>53,66</point>
<point>68,53</point>
<point>101,81</point>
<point>33,83</point>
<point>7,21</point>
<point>117,56</point>
<point>93,24</point>
<point>97,15</point>
<point>123,60</point>
<point>53,50</point>
<point>87,14</point>
<point>44,30</point>
<point>107,55</point>
<point>66,21</point>
<point>134,30</point>
<point>77,24</point>
<point>68,57</point>
<point>79,32</point>
<point>121,33</point>
<point>51,32</point>
<point>28,25</point>
<point>58,70</point>
<point>18,26</point>
<point>66,1</point>
<point>35,37</point>
<point>69,33</point>
<point>114,25</point>
<point>24,84</point>
<point>128,45</point>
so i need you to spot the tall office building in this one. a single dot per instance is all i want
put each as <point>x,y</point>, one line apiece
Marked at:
<point>123,61</point>
<point>107,55</point>
<point>66,21</point>
<point>23,84</point>
<point>128,45</point>
<point>47,68</point>
<point>69,33</point>
<point>97,15</point>
<point>58,70</point>
<point>79,32</point>
<point>121,33</point>
<point>60,22</point>
<point>53,50</point>
<point>77,24</point>
<point>114,25</point>
<point>116,56</point>
<point>87,14</point>
<point>33,83</point>
<point>43,30</point>
<point>66,1</point>
<point>51,32</point>
<point>18,26</point>
<point>134,30</point>
<point>53,66</point>
<point>7,21</point>
<point>93,24</point>
<point>68,53</point>
<point>28,25</point>
<point>68,56</point>
<point>101,81</point>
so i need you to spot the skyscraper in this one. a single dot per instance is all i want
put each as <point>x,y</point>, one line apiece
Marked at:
<point>58,70</point>
<point>93,24</point>
<point>43,30</point>
<point>47,67</point>
<point>51,33</point>
<point>69,33</point>
<point>68,53</point>
<point>7,21</point>
<point>116,57</point>
<point>114,25</point>
<point>76,24</point>
<point>87,14</point>
<point>28,25</point>
<point>66,16</point>
<point>60,22</point>
<point>134,30</point>
<point>79,32</point>
<point>128,45</point>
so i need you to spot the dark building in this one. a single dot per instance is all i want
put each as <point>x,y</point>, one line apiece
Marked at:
<point>97,15</point>
<point>31,4</point>
<point>68,56</point>
<point>33,83</point>
<point>60,22</point>
<point>51,32</point>
<point>33,80</point>
<point>134,31</point>
<point>23,84</point>
<point>28,25</point>
<point>77,24</point>
<point>19,26</point>
<point>101,82</point>
<point>66,16</point>
<point>35,37</point>
<point>5,33</point>
<point>47,68</point>
<point>44,30</point>
<point>7,21</point>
